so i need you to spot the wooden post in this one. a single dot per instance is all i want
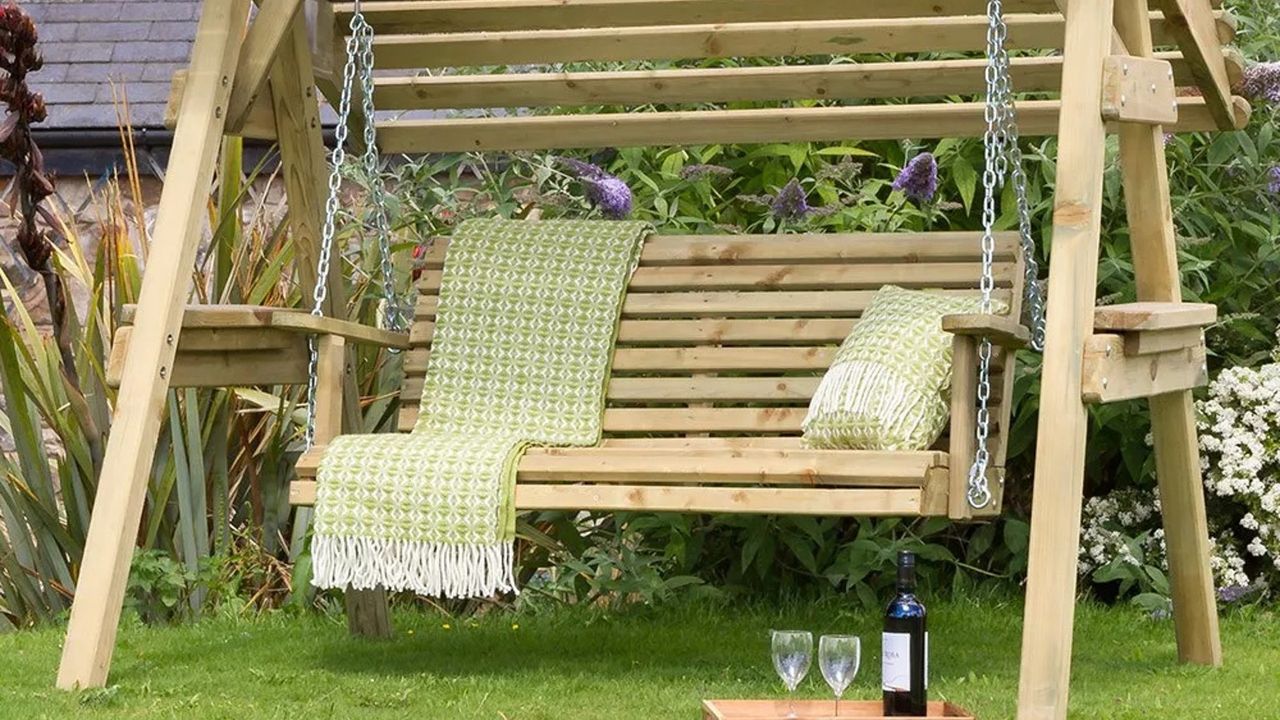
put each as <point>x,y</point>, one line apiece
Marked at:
<point>122,489</point>
<point>306,170</point>
<point>1155,262</point>
<point>1073,273</point>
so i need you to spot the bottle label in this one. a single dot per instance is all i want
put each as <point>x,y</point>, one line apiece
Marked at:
<point>895,662</point>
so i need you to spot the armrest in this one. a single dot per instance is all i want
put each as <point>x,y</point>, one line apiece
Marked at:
<point>346,329</point>
<point>1002,330</point>
<point>287,319</point>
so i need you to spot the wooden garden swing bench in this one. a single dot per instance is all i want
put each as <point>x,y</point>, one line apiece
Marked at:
<point>723,338</point>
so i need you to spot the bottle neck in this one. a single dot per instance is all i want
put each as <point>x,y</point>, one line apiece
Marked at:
<point>907,580</point>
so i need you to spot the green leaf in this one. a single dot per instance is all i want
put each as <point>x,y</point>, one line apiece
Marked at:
<point>966,179</point>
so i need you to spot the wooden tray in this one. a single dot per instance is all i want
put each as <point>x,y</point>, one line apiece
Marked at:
<point>815,710</point>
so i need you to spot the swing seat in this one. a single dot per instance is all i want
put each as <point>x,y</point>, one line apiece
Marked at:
<point>722,343</point>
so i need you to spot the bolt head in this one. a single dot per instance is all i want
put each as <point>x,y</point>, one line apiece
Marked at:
<point>1105,383</point>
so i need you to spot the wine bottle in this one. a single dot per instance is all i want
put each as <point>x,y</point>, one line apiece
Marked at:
<point>905,658</point>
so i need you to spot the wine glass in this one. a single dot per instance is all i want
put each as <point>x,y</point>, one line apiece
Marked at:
<point>792,653</point>
<point>839,656</point>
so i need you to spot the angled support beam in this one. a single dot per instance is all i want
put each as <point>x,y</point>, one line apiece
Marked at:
<point>1073,273</point>
<point>257,56</point>
<point>1193,25</point>
<point>122,489</point>
<point>1153,237</point>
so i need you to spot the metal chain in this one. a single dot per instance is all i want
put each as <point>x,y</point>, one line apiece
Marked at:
<point>394,315</point>
<point>329,229</point>
<point>1003,161</point>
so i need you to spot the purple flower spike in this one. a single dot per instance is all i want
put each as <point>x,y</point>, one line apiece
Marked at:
<point>1262,82</point>
<point>698,172</point>
<point>919,179</point>
<point>790,203</point>
<point>1234,593</point>
<point>605,191</point>
<point>1273,180</point>
<point>611,195</point>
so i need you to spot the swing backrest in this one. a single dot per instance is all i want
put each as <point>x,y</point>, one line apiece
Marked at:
<point>724,339</point>
<point>490,75</point>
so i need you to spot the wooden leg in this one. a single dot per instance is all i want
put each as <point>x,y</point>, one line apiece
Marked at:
<point>1186,528</point>
<point>367,613</point>
<point>1155,260</point>
<point>122,489</point>
<point>1059,473</point>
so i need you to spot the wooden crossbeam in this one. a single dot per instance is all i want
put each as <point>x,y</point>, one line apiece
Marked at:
<point>700,127</point>
<point>432,16</point>
<point>817,37</point>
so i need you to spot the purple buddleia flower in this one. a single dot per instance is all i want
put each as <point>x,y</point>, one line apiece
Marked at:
<point>1262,82</point>
<point>790,203</point>
<point>919,179</point>
<point>1273,180</point>
<point>698,172</point>
<point>606,192</point>
<point>1234,593</point>
<point>611,195</point>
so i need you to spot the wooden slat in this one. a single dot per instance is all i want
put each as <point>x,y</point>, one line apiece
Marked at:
<point>803,331</point>
<point>1191,23</point>
<point>847,81</point>
<point>798,277</point>
<point>686,389</point>
<point>800,303</point>
<point>780,466</point>
<point>433,16</point>
<point>710,85</point>
<point>808,248</point>
<point>1110,376</point>
<point>700,127</point>
<point>866,502</point>
<point>683,360</point>
<point>1128,317</point>
<point>696,359</point>
<point>683,420</point>
<point>721,40</point>
<point>963,424</point>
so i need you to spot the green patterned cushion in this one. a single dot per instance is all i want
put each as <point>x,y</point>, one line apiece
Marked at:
<point>887,388</point>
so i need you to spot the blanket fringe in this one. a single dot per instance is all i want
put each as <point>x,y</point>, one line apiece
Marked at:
<point>435,569</point>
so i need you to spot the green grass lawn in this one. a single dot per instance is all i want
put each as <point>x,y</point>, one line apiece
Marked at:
<point>639,664</point>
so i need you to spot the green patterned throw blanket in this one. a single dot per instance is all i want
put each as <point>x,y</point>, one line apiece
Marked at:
<point>525,329</point>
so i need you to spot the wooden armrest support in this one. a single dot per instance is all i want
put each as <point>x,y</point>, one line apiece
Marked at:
<point>1002,330</point>
<point>247,317</point>
<point>354,331</point>
<point>1138,316</point>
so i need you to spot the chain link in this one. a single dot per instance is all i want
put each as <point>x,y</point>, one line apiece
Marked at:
<point>1003,161</point>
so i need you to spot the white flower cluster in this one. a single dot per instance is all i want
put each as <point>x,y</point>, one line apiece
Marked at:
<point>1240,452</point>
<point>1239,426</point>
<point>1109,524</point>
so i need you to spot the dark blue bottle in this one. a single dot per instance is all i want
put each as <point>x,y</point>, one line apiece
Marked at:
<point>905,648</point>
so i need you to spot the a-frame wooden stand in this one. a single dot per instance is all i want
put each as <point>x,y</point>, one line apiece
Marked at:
<point>227,73</point>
